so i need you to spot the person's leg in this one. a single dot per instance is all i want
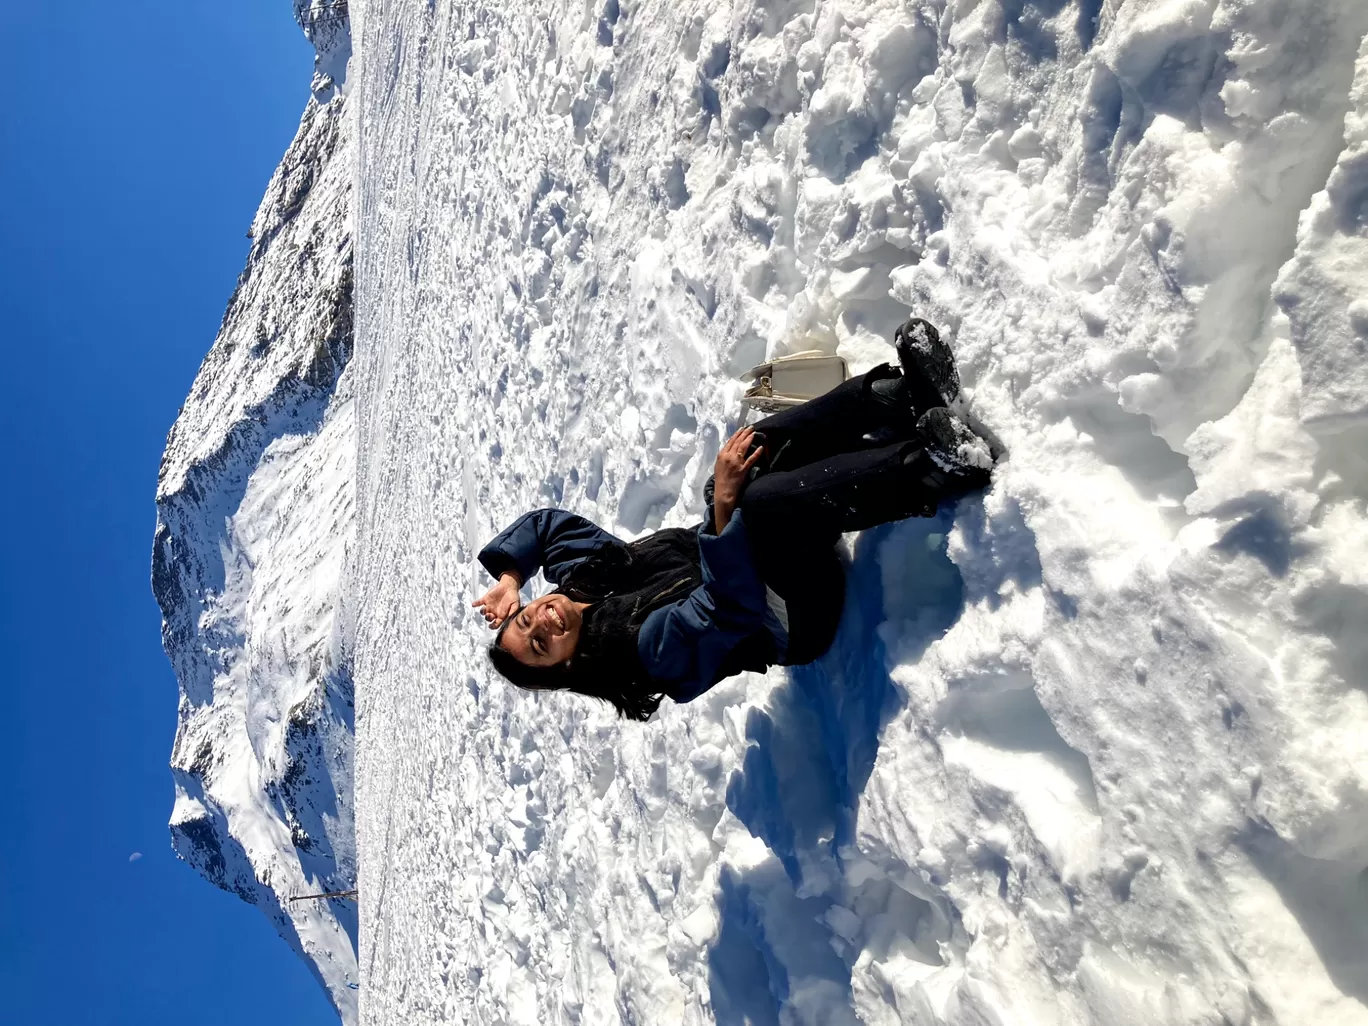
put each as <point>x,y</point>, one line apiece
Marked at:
<point>815,611</point>
<point>813,604</point>
<point>846,492</point>
<point>795,517</point>
<point>869,410</point>
<point>848,418</point>
<point>797,559</point>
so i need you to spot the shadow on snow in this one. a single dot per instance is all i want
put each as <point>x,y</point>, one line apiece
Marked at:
<point>812,751</point>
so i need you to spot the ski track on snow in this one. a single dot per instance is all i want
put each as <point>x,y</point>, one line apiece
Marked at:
<point>1089,748</point>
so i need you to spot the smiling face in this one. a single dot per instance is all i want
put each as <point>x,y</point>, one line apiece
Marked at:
<point>544,632</point>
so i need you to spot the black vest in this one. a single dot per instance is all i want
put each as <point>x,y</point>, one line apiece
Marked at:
<point>624,584</point>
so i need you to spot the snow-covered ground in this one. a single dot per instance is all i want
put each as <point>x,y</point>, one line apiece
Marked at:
<point>1092,748</point>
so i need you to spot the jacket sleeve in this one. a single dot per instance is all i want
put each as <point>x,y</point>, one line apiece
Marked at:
<point>549,540</point>
<point>684,644</point>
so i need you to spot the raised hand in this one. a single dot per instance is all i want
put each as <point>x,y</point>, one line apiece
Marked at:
<point>729,474</point>
<point>501,601</point>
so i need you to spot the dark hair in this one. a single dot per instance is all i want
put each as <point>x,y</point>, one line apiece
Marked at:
<point>624,695</point>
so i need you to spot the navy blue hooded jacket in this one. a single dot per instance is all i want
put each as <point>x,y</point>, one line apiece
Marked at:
<point>684,644</point>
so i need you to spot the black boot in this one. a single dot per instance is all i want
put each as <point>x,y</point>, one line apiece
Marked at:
<point>927,362</point>
<point>954,461</point>
<point>929,378</point>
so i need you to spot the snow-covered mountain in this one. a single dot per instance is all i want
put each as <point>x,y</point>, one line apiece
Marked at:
<point>254,527</point>
<point>1092,748</point>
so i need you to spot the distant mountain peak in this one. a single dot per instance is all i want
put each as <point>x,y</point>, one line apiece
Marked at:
<point>254,527</point>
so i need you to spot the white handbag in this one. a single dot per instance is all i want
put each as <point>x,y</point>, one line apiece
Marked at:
<point>791,381</point>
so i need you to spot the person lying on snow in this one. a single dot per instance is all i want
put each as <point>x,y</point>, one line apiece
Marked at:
<point>759,582</point>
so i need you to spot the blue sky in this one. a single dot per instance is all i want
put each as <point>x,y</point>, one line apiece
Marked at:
<point>136,139</point>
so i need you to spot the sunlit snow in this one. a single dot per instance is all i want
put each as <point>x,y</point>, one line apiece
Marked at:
<point>1091,748</point>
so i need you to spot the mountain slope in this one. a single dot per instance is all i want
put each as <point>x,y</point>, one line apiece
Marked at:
<point>254,527</point>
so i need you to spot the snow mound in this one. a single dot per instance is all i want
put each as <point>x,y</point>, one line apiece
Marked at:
<point>327,25</point>
<point>254,526</point>
<point>1091,747</point>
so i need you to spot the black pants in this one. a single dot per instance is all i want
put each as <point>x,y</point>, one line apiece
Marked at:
<point>837,463</point>
<point>841,462</point>
<point>838,423</point>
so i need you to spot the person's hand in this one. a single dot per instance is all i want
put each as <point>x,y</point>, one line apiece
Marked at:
<point>501,601</point>
<point>729,475</point>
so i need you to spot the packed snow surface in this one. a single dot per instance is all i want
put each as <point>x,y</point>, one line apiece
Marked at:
<point>1089,748</point>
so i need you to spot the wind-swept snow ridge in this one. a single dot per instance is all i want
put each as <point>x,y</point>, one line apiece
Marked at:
<point>254,526</point>
<point>1089,749</point>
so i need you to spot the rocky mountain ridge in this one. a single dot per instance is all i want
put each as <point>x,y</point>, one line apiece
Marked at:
<point>254,527</point>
